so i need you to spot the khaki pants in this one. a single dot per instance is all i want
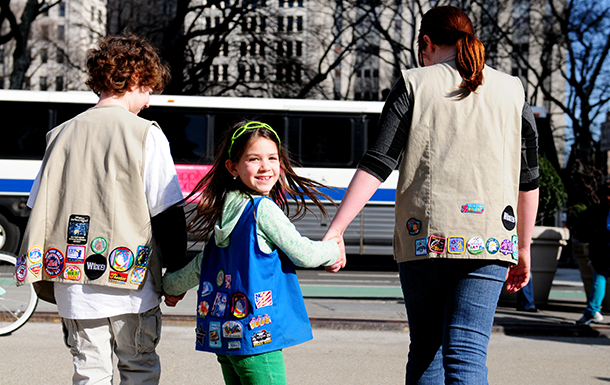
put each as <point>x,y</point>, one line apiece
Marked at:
<point>133,339</point>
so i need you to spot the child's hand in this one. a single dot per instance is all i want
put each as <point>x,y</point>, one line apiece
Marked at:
<point>171,300</point>
<point>342,260</point>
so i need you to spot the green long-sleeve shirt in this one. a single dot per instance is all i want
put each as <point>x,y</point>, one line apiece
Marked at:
<point>274,231</point>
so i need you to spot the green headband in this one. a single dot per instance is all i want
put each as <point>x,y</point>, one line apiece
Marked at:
<point>251,126</point>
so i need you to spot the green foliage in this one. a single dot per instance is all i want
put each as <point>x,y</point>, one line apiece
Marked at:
<point>553,194</point>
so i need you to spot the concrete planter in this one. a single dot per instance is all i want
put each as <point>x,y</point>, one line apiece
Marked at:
<point>581,252</point>
<point>545,252</point>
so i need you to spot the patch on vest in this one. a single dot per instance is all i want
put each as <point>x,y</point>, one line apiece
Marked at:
<point>421,246</point>
<point>414,226</point>
<point>72,273</point>
<point>21,273</point>
<point>35,254</point>
<point>492,246</point>
<point>260,338</point>
<point>506,247</point>
<point>437,244</point>
<point>201,333</point>
<point>263,299</point>
<point>220,278</point>
<point>137,275</point>
<point>239,305</point>
<point>78,229</point>
<point>142,256</point>
<point>456,245</point>
<point>220,305</point>
<point>232,329</point>
<point>215,341</point>
<point>259,321</point>
<point>475,208</point>
<point>121,259</point>
<point>36,268</point>
<point>206,289</point>
<point>95,266</point>
<point>475,245</point>
<point>203,309</point>
<point>515,240</point>
<point>117,277</point>
<point>99,245</point>
<point>53,262</point>
<point>508,218</point>
<point>76,253</point>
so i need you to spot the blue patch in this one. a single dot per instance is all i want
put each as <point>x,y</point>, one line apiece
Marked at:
<point>455,245</point>
<point>421,246</point>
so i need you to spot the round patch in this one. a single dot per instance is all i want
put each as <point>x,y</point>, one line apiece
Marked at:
<point>492,246</point>
<point>239,305</point>
<point>95,266</point>
<point>72,273</point>
<point>35,254</point>
<point>475,245</point>
<point>414,226</point>
<point>99,245</point>
<point>508,218</point>
<point>53,262</point>
<point>21,273</point>
<point>220,278</point>
<point>121,259</point>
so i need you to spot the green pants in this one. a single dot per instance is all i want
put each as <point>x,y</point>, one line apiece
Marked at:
<point>259,369</point>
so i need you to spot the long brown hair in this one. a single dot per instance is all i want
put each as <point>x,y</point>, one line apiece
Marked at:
<point>214,186</point>
<point>449,25</point>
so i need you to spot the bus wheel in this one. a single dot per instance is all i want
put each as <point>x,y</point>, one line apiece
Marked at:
<point>9,235</point>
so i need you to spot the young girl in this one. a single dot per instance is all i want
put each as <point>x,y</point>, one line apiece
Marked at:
<point>249,304</point>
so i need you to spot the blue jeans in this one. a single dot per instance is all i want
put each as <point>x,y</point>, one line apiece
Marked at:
<point>597,294</point>
<point>450,308</point>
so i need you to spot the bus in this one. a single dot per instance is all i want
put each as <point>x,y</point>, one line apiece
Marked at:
<point>326,138</point>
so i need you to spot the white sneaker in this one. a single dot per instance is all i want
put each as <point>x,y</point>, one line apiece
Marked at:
<point>587,319</point>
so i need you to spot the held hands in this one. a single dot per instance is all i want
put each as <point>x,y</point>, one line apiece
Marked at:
<point>342,260</point>
<point>171,300</point>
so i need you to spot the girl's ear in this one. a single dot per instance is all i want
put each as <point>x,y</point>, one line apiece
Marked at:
<point>231,167</point>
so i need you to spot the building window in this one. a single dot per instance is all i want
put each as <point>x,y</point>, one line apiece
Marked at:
<point>289,24</point>
<point>61,32</point>
<point>299,23</point>
<point>208,22</point>
<point>241,71</point>
<point>28,83</point>
<point>216,21</point>
<point>252,71</point>
<point>253,49</point>
<point>215,73</point>
<point>62,9</point>
<point>1,54</point>
<point>280,49</point>
<point>60,55</point>
<point>99,17</point>
<point>225,49</point>
<point>299,48</point>
<point>59,83</point>
<point>44,32</point>
<point>280,24</point>
<point>243,48</point>
<point>367,73</point>
<point>288,49</point>
<point>43,83</point>
<point>263,24</point>
<point>282,3</point>
<point>44,55</point>
<point>261,72</point>
<point>225,72</point>
<point>300,3</point>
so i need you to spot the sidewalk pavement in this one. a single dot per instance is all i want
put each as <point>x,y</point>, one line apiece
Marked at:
<point>566,304</point>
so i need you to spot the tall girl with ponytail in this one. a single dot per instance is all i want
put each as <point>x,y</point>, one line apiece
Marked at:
<point>465,144</point>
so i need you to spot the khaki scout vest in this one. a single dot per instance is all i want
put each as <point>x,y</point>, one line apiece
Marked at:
<point>459,178</point>
<point>90,222</point>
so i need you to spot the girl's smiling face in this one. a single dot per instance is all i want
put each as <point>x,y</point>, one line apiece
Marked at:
<point>259,166</point>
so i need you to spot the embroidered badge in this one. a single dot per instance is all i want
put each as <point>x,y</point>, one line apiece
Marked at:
<point>508,218</point>
<point>239,305</point>
<point>232,329</point>
<point>220,305</point>
<point>142,256</point>
<point>72,273</point>
<point>421,246</point>
<point>475,245</point>
<point>475,208</point>
<point>492,246</point>
<point>117,277</point>
<point>506,247</point>
<point>515,241</point>
<point>215,341</point>
<point>35,254</point>
<point>137,275</point>
<point>220,278</point>
<point>437,244</point>
<point>263,299</point>
<point>99,245</point>
<point>414,226</point>
<point>78,229</point>
<point>53,262</point>
<point>76,253</point>
<point>259,321</point>
<point>21,272</point>
<point>455,245</point>
<point>202,309</point>
<point>232,345</point>
<point>35,269</point>
<point>20,260</point>
<point>95,266</point>
<point>206,289</point>
<point>228,281</point>
<point>201,333</point>
<point>260,338</point>
<point>121,259</point>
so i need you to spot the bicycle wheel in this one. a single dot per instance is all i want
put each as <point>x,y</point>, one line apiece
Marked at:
<point>17,304</point>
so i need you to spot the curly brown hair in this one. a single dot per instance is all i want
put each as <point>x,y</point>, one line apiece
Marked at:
<point>121,63</point>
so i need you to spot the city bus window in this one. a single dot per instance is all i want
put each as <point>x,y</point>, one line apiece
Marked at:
<point>222,122</point>
<point>24,135</point>
<point>326,142</point>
